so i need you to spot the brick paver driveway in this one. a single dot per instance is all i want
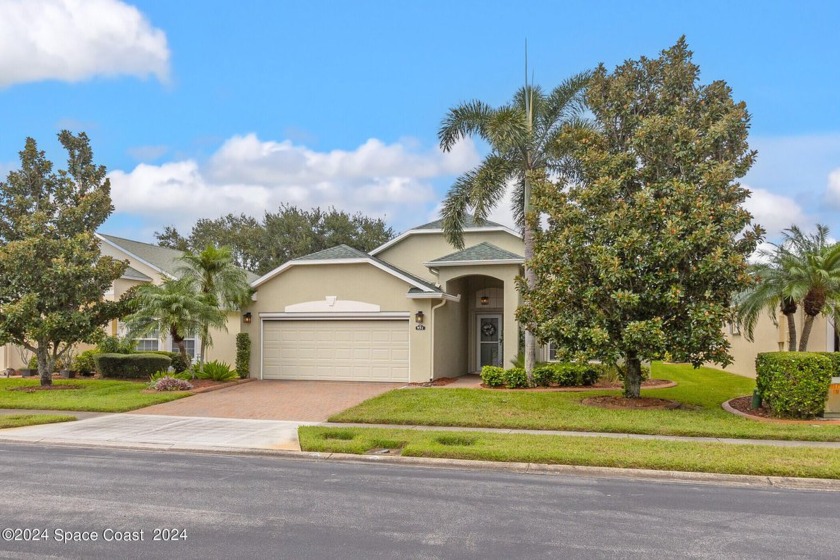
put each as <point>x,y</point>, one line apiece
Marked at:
<point>310,401</point>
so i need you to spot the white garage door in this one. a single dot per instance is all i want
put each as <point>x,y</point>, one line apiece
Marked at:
<point>336,350</point>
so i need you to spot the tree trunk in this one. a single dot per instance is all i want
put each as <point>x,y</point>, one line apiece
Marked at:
<point>806,332</point>
<point>44,369</point>
<point>531,282</point>
<point>791,324</point>
<point>632,377</point>
<point>202,348</point>
<point>178,340</point>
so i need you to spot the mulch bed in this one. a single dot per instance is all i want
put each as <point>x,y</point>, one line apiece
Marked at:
<point>205,385</point>
<point>646,403</point>
<point>742,404</point>
<point>647,384</point>
<point>439,382</point>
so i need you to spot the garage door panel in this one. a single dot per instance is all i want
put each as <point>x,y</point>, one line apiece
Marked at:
<point>336,350</point>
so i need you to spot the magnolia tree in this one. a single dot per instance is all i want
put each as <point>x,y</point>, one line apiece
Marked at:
<point>647,238</point>
<point>52,276</point>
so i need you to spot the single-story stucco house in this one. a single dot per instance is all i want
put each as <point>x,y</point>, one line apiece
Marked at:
<point>411,310</point>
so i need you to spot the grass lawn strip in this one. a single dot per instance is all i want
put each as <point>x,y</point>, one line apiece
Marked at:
<point>20,420</point>
<point>95,395</point>
<point>701,391</point>
<point>587,451</point>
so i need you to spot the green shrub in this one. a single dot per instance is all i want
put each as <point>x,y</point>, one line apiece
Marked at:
<point>516,378</point>
<point>217,371</point>
<point>543,375</point>
<point>181,363</point>
<point>130,366</point>
<point>116,345</point>
<point>84,363</point>
<point>575,375</point>
<point>835,361</point>
<point>794,384</point>
<point>493,376</point>
<point>243,355</point>
<point>32,363</point>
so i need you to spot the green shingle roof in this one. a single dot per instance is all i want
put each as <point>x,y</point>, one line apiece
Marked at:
<point>163,258</point>
<point>481,252</point>
<point>134,274</point>
<point>469,222</point>
<point>337,252</point>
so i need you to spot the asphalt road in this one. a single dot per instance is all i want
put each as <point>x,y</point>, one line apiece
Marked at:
<point>267,507</point>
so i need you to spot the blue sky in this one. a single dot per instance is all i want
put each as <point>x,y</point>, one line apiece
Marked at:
<point>202,108</point>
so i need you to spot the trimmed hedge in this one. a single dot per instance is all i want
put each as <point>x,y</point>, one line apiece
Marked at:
<point>131,366</point>
<point>545,375</point>
<point>794,384</point>
<point>243,355</point>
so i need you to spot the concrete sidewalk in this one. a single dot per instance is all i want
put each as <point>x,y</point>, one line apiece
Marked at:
<point>164,432</point>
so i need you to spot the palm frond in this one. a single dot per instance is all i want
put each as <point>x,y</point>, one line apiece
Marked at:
<point>464,120</point>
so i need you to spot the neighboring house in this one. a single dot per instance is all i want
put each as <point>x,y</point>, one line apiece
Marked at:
<point>411,310</point>
<point>146,264</point>
<point>773,337</point>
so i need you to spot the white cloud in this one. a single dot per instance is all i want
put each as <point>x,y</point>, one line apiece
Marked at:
<point>73,40</point>
<point>249,175</point>
<point>832,193</point>
<point>773,211</point>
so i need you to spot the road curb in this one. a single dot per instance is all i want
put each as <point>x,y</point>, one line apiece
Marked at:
<point>788,483</point>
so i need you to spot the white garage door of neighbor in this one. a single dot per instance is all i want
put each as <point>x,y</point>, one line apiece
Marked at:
<point>336,350</point>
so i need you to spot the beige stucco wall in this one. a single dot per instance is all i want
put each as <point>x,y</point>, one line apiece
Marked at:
<point>224,341</point>
<point>772,338</point>
<point>449,324</point>
<point>356,282</point>
<point>418,248</point>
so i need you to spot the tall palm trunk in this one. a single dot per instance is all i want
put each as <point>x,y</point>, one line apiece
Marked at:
<point>531,282</point>
<point>791,325</point>
<point>806,332</point>
<point>813,304</point>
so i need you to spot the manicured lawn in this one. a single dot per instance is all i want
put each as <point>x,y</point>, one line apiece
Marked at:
<point>95,395</point>
<point>19,420</point>
<point>592,451</point>
<point>701,391</point>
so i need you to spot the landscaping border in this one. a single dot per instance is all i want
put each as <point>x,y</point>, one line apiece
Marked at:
<point>813,422</point>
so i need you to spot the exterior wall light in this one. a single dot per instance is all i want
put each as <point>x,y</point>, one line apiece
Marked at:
<point>418,317</point>
<point>484,300</point>
<point>247,318</point>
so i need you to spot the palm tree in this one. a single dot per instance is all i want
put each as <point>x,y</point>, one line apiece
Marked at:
<point>214,273</point>
<point>770,291</point>
<point>174,307</point>
<point>813,265</point>
<point>803,269</point>
<point>523,140</point>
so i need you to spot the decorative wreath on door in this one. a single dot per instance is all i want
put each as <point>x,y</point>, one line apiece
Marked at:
<point>488,329</point>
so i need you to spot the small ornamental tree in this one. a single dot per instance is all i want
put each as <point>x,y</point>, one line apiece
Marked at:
<point>52,275</point>
<point>644,246</point>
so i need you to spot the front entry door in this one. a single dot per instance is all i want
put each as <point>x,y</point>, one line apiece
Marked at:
<point>489,339</point>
